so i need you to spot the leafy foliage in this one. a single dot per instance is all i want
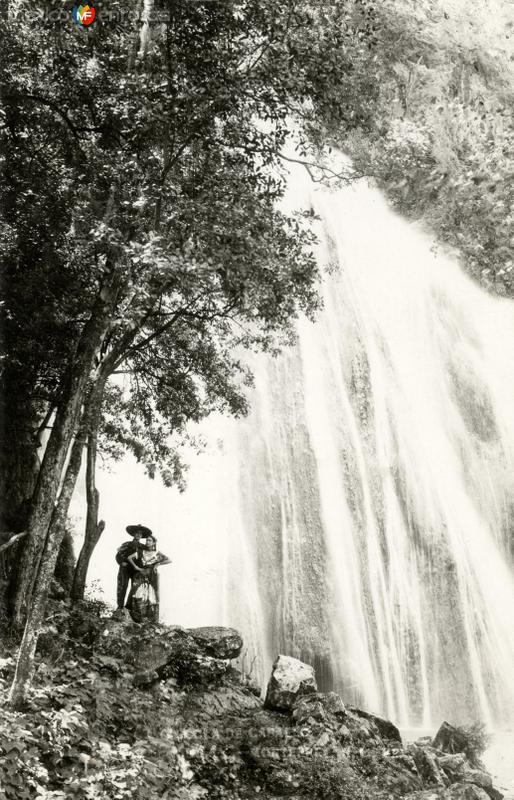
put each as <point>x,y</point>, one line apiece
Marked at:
<point>476,739</point>
<point>163,163</point>
<point>444,139</point>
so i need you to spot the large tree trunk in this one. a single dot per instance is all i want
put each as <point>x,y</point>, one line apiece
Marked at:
<point>63,429</point>
<point>94,529</point>
<point>36,610</point>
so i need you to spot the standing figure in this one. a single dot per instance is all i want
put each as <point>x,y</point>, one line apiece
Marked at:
<point>143,600</point>
<point>127,549</point>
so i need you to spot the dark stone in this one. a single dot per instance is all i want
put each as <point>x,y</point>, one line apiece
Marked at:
<point>217,641</point>
<point>450,739</point>
<point>385,728</point>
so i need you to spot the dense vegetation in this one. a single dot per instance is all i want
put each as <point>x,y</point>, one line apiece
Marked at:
<point>443,145</point>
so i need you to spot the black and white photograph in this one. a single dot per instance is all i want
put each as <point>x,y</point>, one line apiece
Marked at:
<point>257,399</point>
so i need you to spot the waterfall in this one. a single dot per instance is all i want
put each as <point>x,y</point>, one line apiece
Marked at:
<point>360,517</point>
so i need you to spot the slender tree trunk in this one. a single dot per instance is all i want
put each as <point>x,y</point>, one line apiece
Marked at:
<point>94,529</point>
<point>63,430</point>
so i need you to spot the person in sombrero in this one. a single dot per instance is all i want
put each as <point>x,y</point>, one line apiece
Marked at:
<point>126,570</point>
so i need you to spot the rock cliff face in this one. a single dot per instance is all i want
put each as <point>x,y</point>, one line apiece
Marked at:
<point>121,710</point>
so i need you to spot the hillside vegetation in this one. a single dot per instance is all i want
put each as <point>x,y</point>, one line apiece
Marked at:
<point>442,146</point>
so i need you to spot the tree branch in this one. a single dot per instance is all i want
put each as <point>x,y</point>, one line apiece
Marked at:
<point>327,172</point>
<point>14,538</point>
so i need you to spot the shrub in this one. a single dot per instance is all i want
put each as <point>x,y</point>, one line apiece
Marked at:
<point>476,740</point>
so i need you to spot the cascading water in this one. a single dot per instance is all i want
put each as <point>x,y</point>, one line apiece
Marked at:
<point>360,517</point>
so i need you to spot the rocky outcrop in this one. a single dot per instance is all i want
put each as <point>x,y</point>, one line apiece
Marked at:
<point>190,721</point>
<point>457,777</point>
<point>290,680</point>
<point>449,739</point>
<point>386,728</point>
<point>219,642</point>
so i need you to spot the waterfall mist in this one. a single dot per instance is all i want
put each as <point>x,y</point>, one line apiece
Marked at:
<point>360,517</point>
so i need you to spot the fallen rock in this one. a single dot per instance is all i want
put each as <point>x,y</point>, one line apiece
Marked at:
<point>450,739</point>
<point>386,728</point>
<point>290,679</point>
<point>225,643</point>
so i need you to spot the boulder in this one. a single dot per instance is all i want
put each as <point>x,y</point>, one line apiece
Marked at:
<point>290,679</point>
<point>218,642</point>
<point>450,739</point>
<point>385,728</point>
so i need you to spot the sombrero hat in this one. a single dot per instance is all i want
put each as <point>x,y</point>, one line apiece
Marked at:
<point>144,531</point>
